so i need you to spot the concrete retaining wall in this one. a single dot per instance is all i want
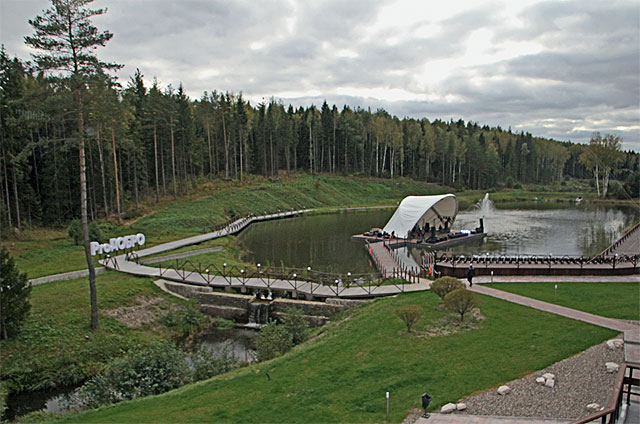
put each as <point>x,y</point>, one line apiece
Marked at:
<point>236,306</point>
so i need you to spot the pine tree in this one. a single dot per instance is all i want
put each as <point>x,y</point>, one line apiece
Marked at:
<point>14,296</point>
<point>67,39</point>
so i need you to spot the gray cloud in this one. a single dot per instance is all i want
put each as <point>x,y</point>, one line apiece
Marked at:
<point>585,76</point>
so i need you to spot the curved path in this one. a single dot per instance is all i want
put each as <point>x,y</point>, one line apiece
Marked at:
<point>256,281</point>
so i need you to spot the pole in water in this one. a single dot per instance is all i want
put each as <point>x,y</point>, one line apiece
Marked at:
<point>387,406</point>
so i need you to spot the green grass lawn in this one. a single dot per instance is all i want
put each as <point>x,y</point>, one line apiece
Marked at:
<point>613,300</point>
<point>342,375</point>
<point>52,348</point>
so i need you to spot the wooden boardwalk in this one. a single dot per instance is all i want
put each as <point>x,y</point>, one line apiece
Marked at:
<point>294,285</point>
<point>628,244</point>
<point>385,262</point>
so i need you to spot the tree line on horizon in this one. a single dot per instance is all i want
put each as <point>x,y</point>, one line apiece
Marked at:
<point>152,141</point>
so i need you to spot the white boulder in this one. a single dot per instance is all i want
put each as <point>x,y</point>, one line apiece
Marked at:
<point>612,367</point>
<point>503,390</point>
<point>540,380</point>
<point>550,382</point>
<point>448,408</point>
<point>614,344</point>
<point>461,406</point>
<point>548,376</point>
<point>593,407</point>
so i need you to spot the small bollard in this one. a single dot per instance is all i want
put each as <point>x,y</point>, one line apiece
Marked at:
<point>555,293</point>
<point>492,276</point>
<point>387,406</point>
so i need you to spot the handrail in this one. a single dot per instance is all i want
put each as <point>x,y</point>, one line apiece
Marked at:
<point>612,411</point>
<point>618,242</point>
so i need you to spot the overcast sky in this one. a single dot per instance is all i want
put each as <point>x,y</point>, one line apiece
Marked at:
<point>558,69</point>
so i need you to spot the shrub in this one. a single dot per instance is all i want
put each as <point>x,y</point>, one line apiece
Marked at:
<point>75,231</point>
<point>296,325</point>
<point>274,340</point>
<point>460,301</point>
<point>14,296</point>
<point>410,314</point>
<point>445,285</point>
<point>141,372</point>
<point>207,363</point>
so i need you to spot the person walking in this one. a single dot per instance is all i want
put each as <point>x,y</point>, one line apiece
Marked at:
<point>470,273</point>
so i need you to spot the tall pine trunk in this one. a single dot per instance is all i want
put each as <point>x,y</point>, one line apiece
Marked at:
<point>155,158</point>
<point>115,171</point>
<point>93,294</point>
<point>6,187</point>
<point>226,148</point>
<point>173,160</point>
<point>104,186</point>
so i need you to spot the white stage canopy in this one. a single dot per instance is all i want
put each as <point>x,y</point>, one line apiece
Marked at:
<point>422,210</point>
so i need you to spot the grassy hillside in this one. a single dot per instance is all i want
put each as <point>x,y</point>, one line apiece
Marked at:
<point>61,348</point>
<point>342,376</point>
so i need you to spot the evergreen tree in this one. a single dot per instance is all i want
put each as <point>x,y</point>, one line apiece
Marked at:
<point>14,296</point>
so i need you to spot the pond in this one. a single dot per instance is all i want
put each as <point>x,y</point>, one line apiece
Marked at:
<point>239,342</point>
<point>324,241</point>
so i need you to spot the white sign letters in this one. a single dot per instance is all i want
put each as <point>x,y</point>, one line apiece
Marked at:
<point>115,244</point>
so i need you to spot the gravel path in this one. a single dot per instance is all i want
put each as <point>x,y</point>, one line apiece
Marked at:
<point>579,380</point>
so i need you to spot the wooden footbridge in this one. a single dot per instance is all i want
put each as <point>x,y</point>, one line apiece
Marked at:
<point>229,278</point>
<point>622,258</point>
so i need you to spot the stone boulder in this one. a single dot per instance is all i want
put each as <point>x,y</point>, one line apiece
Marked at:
<point>614,344</point>
<point>503,390</point>
<point>461,406</point>
<point>540,380</point>
<point>448,408</point>
<point>593,407</point>
<point>548,376</point>
<point>612,367</point>
<point>550,382</point>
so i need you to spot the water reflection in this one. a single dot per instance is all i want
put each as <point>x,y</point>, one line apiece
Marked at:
<point>50,401</point>
<point>240,342</point>
<point>324,241</point>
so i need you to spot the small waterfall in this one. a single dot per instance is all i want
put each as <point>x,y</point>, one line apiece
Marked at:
<point>485,206</point>
<point>258,313</point>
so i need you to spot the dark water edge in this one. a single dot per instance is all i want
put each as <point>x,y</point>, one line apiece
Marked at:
<point>52,401</point>
<point>238,342</point>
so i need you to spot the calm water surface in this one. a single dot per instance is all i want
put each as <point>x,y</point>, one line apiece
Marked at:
<point>324,241</point>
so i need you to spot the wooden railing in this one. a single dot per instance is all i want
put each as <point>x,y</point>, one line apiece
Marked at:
<point>621,240</point>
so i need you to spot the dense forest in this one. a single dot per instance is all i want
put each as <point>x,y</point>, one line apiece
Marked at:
<point>151,141</point>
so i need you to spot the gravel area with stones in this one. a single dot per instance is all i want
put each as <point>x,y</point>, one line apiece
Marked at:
<point>579,381</point>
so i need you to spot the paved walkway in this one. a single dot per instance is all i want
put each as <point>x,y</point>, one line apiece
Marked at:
<point>72,275</point>
<point>482,419</point>
<point>180,255</point>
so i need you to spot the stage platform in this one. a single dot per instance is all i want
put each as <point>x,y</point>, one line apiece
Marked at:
<point>419,243</point>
